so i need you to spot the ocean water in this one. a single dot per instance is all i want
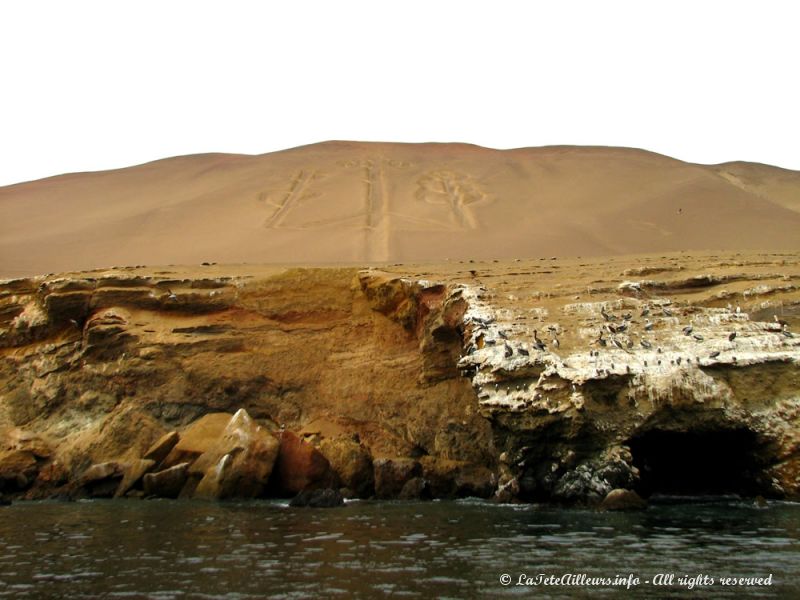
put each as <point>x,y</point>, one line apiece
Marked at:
<point>457,549</point>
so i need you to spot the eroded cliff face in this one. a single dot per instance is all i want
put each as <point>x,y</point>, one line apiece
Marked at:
<point>536,381</point>
<point>101,365</point>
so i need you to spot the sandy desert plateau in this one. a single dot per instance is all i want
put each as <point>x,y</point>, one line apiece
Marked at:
<point>357,203</point>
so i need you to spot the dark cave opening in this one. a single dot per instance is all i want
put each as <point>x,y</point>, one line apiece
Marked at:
<point>704,462</point>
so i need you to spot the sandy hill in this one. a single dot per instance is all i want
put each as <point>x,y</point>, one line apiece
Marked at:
<point>350,202</point>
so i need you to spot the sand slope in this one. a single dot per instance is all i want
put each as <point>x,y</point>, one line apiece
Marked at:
<point>374,202</point>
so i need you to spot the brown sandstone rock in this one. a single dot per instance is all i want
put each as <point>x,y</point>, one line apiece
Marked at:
<point>416,488</point>
<point>100,480</point>
<point>392,474</point>
<point>507,491</point>
<point>162,447</point>
<point>620,499</point>
<point>19,439</point>
<point>239,463</point>
<point>18,469</point>
<point>352,463</point>
<point>100,471</point>
<point>300,466</point>
<point>167,483</point>
<point>123,435</point>
<point>457,479</point>
<point>51,475</point>
<point>318,498</point>
<point>198,438</point>
<point>134,471</point>
<point>323,428</point>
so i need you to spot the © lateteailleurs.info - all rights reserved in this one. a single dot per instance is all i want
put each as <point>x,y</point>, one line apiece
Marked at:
<point>630,580</point>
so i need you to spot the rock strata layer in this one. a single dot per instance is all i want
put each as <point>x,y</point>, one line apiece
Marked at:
<point>539,380</point>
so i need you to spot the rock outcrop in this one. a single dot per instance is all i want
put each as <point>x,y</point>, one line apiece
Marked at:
<point>620,499</point>
<point>300,466</point>
<point>239,463</point>
<point>540,380</point>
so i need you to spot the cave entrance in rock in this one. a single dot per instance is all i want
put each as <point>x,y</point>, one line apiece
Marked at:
<point>703,462</point>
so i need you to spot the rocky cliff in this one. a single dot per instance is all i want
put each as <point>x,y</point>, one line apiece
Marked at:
<point>537,380</point>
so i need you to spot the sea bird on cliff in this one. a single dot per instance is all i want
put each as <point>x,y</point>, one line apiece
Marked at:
<point>732,336</point>
<point>783,324</point>
<point>787,333</point>
<point>645,344</point>
<point>698,337</point>
<point>509,352</point>
<point>537,342</point>
<point>667,312</point>
<point>600,339</point>
<point>648,325</point>
<point>688,330</point>
<point>618,344</point>
<point>171,295</point>
<point>645,311</point>
<point>714,354</point>
<point>603,312</point>
<point>523,352</point>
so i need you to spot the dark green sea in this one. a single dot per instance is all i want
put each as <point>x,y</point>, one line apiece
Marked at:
<point>167,549</point>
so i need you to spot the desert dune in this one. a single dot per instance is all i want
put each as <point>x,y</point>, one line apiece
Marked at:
<point>359,203</point>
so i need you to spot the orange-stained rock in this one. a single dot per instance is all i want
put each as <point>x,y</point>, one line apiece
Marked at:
<point>239,464</point>
<point>167,483</point>
<point>134,471</point>
<point>162,447</point>
<point>198,438</point>
<point>621,499</point>
<point>52,475</point>
<point>300,466</point>
<point>18,469</point>
<point>352,463</point>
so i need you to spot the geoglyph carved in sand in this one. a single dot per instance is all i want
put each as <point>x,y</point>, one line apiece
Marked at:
<point>379,212</point>
<point>455,190</point>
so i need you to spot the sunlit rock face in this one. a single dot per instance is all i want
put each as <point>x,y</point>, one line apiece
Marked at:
<point>553,380</point>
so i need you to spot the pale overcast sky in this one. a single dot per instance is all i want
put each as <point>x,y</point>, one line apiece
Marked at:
<point>89,85</point>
